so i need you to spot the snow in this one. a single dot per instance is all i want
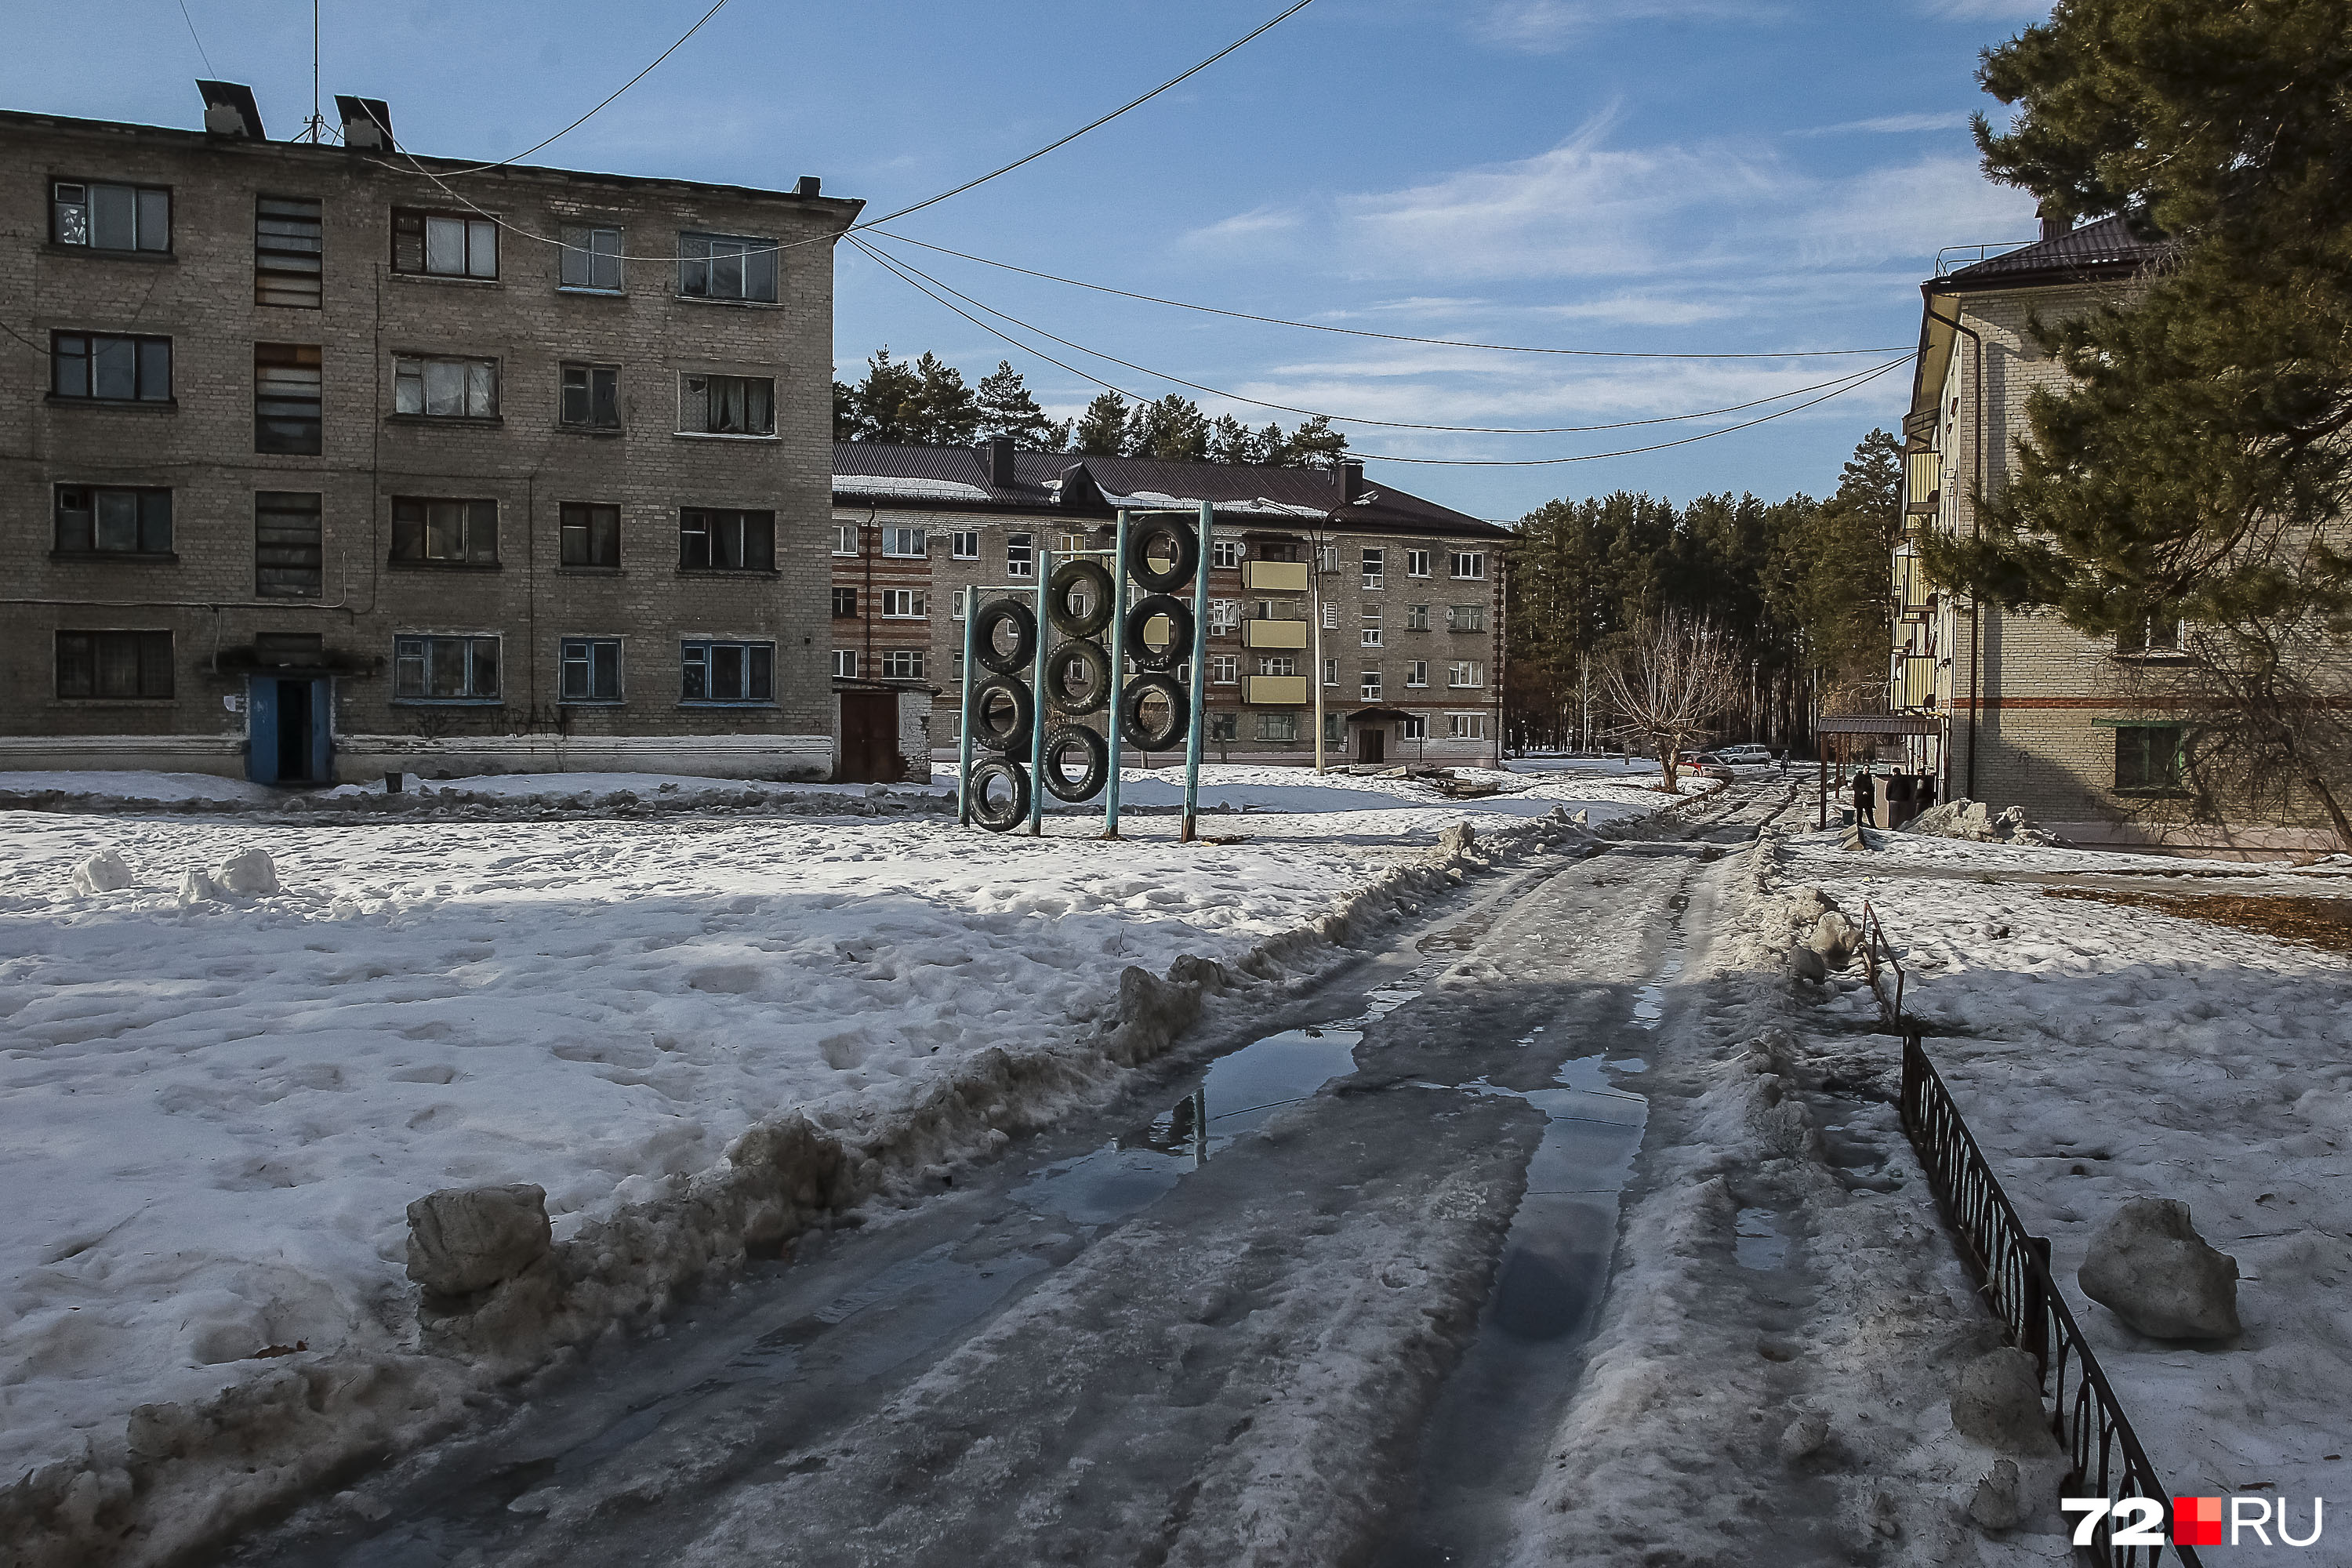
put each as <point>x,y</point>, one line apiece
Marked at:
<point>895,485</point>
<point>139,787</point>
<point>218,1109</point>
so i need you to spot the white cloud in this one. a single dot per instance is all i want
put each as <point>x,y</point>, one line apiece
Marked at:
<point>1989,10</point>
<point>1254,224</point>
<point>1540,27</point>
<point>1891,124</point>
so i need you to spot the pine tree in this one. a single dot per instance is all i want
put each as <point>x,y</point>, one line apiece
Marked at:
<point>1172,430</point>
<point>1314,444</point>
<point>1230,441</point>
<point>845,411</point>
<point>1101,430</point>
<point>1007,408</point>
<point>887,404</point>
<point>948,414</point>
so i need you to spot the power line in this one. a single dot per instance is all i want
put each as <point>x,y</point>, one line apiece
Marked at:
<point>1858,379</point>
<point>1360,333</point>
<point>902,212</point>
<point>201,55</point>
<point>871,250</point>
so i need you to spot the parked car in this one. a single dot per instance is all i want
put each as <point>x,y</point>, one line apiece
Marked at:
<point>1705,764</point>
<point>1745,756</point>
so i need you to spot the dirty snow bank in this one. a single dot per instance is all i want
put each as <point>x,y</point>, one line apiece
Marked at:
<point>220,1111</point>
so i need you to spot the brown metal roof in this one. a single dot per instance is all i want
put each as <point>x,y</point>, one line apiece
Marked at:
<point>2107,248</point>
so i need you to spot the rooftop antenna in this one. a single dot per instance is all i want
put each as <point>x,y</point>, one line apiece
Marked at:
<point>315,128</point>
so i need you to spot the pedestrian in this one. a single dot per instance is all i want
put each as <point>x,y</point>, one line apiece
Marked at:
<point>1898,799</point>
<point>1865,799</point>
<point>1781,757</point>
<point>1924,794</point>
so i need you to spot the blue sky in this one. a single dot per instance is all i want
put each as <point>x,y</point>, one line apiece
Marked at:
<point>1684,175</point>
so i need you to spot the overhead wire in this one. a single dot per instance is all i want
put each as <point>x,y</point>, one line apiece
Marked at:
<point>1845,385</point>
<point>201,53</point>
<point>871,250</point>
<point>1363,332</point>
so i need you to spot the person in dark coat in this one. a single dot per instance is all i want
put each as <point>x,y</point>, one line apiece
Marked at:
<point>1898,799</point>
<point>1865,799</point>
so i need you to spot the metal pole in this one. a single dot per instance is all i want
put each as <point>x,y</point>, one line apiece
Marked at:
<point>963,728</point>
<point>1118,669</point>
<point>1037,695</point>
<point>1315,656</point>
<point>1199,676</point>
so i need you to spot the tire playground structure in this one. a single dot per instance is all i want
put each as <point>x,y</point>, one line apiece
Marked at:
<point>1026,720</point>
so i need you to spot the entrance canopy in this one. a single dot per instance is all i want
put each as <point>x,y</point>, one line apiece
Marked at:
<point>1379,716</point>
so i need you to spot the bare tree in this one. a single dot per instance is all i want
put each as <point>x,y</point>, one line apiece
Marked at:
<point>1669,683</point>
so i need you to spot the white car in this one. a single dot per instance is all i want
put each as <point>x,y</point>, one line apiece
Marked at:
<point>1745,756</point>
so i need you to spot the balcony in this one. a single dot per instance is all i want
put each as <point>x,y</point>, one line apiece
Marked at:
<point>1275,634</point>
<point>1274,576</point>
<point>1276,691</point>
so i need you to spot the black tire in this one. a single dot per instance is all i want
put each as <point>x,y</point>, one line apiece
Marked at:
<point>985,733</point>
<point>1096,580</point>
<point>1098,665</point>
<point>1130,713</point>
<point>1179,626</point>
<point>1186,539</point>
<point>1025,635</point>
<point>1098,753</point>
<point>1015,811</point>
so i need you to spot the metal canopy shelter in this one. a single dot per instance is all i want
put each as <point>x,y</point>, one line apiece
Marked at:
<point>1839,729</point>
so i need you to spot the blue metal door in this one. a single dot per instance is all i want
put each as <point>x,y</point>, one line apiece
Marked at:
<point>322,746</point>
<point>261,729</point>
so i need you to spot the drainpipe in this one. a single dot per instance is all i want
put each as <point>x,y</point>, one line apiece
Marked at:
<point>1976,533</point>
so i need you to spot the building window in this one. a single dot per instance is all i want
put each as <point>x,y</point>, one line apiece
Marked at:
<point>110,367</point>
<point>2147,757</point>
<point>106,520</point>
<point>1225,553</point>
<point>724,266</point>
<point>726,540</point>
<point>902,664</point>
<point>1277,726</point>
<point>844,664</point>
<point>286,382</point>
<point>1417,673</point>
<point>592,258</point>
<point>966,546</point>
<point>1326,558</point>
<point>903,542</point>
<point>115,666</point>
<point>845,604</point>
<point>1465,617</point>
<point>1415,727</point>
<point>1371,686</point>
<point>1464,672</point>
<point>456,532</point>
<point>111,216</point>
<point>727,672</point>
<point>590,399</point>
<point>1224,615</point>
<point>1371,631</point>
<point>440,388</point>
<point>1468,565</point>
<point>727,405</point>
<point>2157,637</point>
<point>1416,618</point>
<point>1224,726</point>
<point>444,668</point>
<point>902,604</point>
<point>289,252</point>
<point>443,245</point>
<point>588,533</point>
<point>1330,617</point>
<point>1335,728</point>
<point>1416,562</point>
<point>590,669</point>
<point>845,539</point>
<point>1330,672</point>
<point>1465,726</point>
<point>1019,556</point>
<point>1375,568</point>
<point>288,557</point>
<point>1276,664</point>
<point>955,599</point>
<point>1224,669</point>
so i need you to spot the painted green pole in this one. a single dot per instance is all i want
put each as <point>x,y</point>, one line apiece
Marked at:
<point>963,729</point>
<point>1037,696</point>
<point>1200,692</point>
<point>1118,670</point>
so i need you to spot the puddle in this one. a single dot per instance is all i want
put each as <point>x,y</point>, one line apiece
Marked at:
<point>1241,1091</point>
<point>1649,1007</point>
<point>1756,1243</point>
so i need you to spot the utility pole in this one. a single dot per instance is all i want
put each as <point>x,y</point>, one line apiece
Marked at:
<point>1314,635</point>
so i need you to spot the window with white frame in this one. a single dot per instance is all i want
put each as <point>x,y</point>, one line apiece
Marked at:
<point>1276,664</point>
<point>1416,618</point>
<point>903,603</point>
<point>1464,672</point>
<point>1019,556</point>
<point>1224,615</point>
<point>1375,568</point>
<point>1225,553</point>
<point>844,664</point>
<point>1371,686</point>
<point>1326,558</point>
<point>445,244</point>
<point>1330,672</point>
<point>1370,634</point>
<point>904,541</point>
<point>725,672</point>
<point>1465,617</point>
<point>1468,565</point>
<point>902,664</point>
<point>1224,669</point>
<point>441,387</point>
<point>1417,673</point>
<point>444,668</point>
<point>590,670</point>
<point>1414,727</point>
<point>1330,617</point>
<point>1465,726</point>
<point>102,217</point>
<point>966,545</point>
<point>1277,726</point>
<point>1416,562</point>
<point>957,599</point>
<point>845,539</point>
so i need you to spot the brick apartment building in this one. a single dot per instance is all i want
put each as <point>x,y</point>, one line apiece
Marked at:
<point>320,461</point>
<point>1408,592</point>
<point>2020,709</point>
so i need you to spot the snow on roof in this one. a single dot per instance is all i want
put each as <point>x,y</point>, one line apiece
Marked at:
<point>898,485</point>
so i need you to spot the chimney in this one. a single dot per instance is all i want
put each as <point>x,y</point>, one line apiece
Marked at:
<point>229,110</point>
<point>1349,477</point>
<point>809,186</point>
<point>367,122</point>
<point>2054,225</point>
<point>1000,462</point>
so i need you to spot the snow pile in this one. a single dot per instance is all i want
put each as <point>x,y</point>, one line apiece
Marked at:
<point>1978,823</point>
<point>693,1035</point>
